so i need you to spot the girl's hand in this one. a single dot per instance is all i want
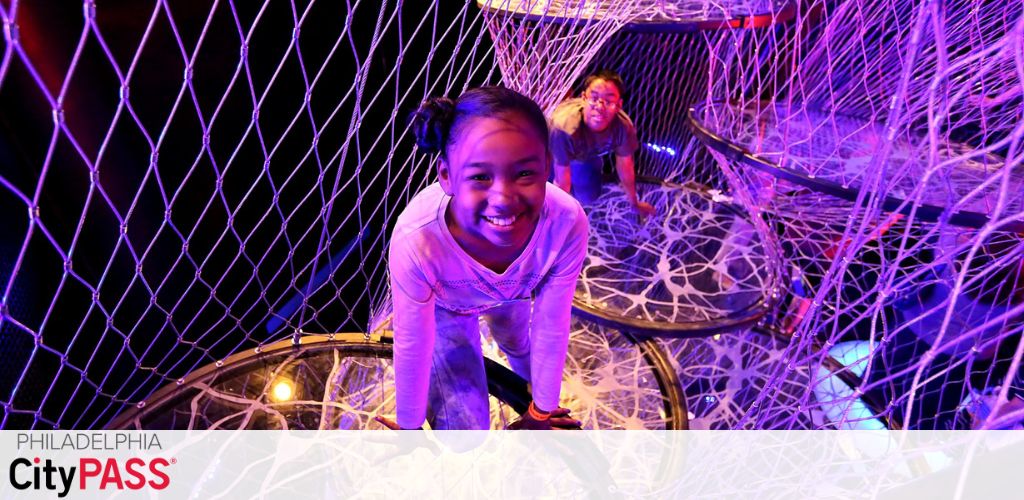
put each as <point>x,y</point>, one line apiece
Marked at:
<point>644,209</point>
<point>557,419</point>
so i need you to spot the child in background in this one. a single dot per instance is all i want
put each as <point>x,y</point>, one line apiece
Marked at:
<point>584,130</point>
<point>491,240</point>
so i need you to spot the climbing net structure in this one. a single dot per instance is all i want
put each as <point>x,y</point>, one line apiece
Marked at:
<point>190,182</point>
<point>887,163</point>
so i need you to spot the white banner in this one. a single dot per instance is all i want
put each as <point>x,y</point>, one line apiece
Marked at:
<point>504,464</point>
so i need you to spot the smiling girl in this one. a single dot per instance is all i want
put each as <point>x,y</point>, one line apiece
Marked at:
<point>492,241</point>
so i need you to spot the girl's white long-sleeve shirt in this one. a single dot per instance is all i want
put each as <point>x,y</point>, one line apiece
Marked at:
<point>429,269</point>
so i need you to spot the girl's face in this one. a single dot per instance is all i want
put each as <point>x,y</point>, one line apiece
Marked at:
<point>603,102</point>
<point>496,174</point>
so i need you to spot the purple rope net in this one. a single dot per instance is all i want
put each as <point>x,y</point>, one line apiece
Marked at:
<point>187,182</point>
<point>194,183</point>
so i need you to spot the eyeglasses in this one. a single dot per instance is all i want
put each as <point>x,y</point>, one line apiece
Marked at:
<point>603,101</point>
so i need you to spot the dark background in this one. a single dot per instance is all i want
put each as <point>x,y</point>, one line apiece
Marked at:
<point>104,303</point>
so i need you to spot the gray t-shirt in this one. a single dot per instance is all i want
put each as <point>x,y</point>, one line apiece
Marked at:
<point>571,140</point>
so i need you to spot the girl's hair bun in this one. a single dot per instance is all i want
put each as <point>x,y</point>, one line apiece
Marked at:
<point>439,121</point>
<point>432,122</point>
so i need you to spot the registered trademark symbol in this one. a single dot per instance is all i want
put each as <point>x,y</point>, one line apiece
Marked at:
<point>174,460</point>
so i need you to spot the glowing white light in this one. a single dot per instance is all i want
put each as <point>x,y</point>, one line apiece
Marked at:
<point>282,391</point>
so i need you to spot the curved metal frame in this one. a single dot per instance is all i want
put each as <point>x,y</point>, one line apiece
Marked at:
<point>502,383</point>
<point>752,314</point>
<point>375,345</point>
<point>668,380</point>
<point>760,20</point>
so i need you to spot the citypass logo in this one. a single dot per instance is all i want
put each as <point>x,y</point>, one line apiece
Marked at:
<point>89,473</point>
<point>96,473</point>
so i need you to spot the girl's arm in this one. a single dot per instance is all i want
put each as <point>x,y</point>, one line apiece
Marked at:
<point>552,307</point>
<point>414,334</point>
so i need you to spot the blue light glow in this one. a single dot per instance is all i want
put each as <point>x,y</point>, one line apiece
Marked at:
<point>657,148</point>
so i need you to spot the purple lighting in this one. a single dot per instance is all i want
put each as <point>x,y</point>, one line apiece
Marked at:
<point>186,182</point>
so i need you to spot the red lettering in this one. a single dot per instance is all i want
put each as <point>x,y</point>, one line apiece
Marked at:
<point>111,474</point>
<point>90,467</point>
<point>164,478</point>
<point>132,467</point>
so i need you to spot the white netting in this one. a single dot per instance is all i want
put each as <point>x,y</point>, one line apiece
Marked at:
<point>185,181</point>
<point>202,178</point>
<point>883,149</point>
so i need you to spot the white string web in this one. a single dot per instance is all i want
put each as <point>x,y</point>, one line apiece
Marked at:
<point>194,180</point>
<point>696,261</point>
<point>881,143</point>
